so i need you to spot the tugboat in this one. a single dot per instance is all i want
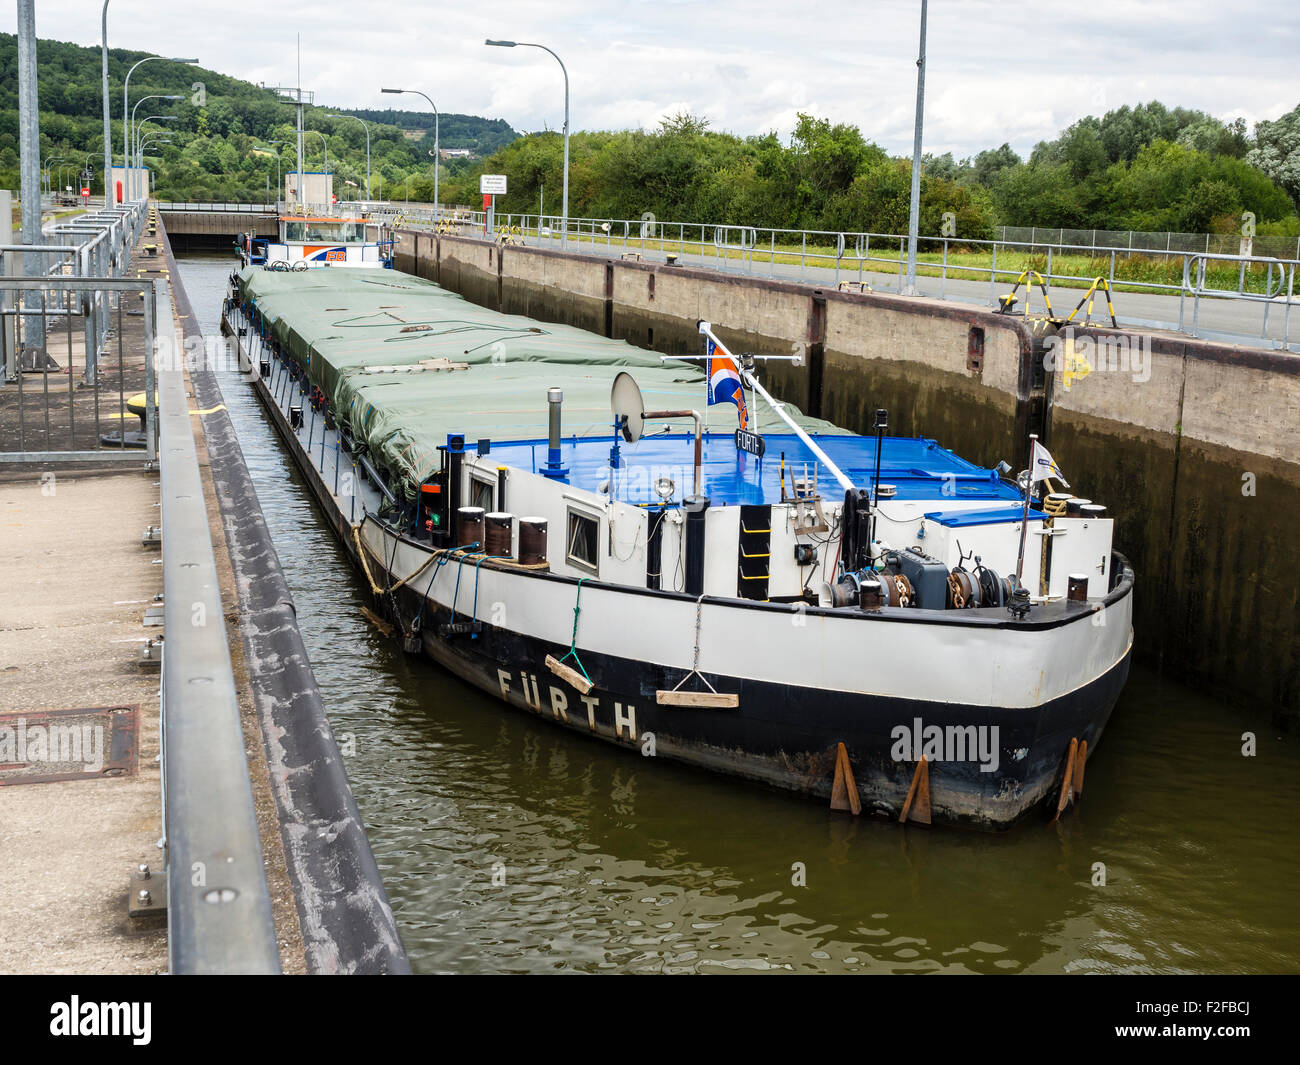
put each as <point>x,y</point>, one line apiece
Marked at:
<point>654,552</point>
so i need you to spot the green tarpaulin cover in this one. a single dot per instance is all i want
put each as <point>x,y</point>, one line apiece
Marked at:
<point>370,340</point>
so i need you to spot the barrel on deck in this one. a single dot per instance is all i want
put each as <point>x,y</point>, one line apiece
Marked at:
<point>499,530</point>
<point>469,526</point>
<point>532,541</point>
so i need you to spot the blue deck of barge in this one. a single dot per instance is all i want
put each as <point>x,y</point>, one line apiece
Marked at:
<point>919,469</point>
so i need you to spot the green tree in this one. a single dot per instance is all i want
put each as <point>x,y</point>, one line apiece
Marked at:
<point>1277,151</point>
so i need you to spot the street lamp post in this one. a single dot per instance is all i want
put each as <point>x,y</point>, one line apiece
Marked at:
<point>437,154</point>
<point>51,173</point>
<point>564,208</point>
<point>149,139</point>
<point>914,211</point>
<point>153,134</point>
<point>367,129</point>
<point>108,132</point>
<point>139,159</point>
<point>279,183</point>
<point>135,128</point>
<point>326,145</point>
<point>126,85</point>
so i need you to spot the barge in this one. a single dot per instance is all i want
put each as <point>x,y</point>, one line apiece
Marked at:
<point>653,552</point>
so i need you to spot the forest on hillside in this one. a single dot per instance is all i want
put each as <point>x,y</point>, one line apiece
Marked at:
<point>224,138</point>
<point>1144,167</point>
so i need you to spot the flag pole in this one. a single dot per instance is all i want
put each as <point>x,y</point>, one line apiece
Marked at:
<point>779,409</point>
<point>1024,518</point>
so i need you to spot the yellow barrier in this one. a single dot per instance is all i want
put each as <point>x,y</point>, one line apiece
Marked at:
<point>1098,283</point>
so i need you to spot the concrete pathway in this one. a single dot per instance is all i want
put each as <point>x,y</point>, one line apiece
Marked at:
<point>76,582</point>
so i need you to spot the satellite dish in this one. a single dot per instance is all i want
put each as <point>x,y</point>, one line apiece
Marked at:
<point>628,406</point>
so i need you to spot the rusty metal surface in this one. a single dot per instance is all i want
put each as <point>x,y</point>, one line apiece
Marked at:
<point>40,746</point>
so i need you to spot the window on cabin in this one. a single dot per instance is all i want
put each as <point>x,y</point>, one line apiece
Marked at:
<point>583,541</point>
<point>481,493</point>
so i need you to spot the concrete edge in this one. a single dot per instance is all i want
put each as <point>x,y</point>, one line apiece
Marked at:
<point>346,920</point>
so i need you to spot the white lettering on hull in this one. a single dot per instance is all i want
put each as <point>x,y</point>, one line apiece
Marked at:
<point>624,717</point>
<point>559,704</point>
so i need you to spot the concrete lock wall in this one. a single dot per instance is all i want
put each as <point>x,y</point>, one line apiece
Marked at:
<point>211,230</point>
<point>1194,446</point>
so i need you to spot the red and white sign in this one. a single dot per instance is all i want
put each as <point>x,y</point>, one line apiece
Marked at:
<point>85,192</point>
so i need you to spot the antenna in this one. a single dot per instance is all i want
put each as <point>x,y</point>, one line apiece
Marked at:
<point>628,407</point>
<point>298,82</point>
<point>630,417</point>
<point>300,97</point>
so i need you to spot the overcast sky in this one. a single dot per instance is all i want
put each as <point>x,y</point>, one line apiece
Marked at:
<point>996,72</point>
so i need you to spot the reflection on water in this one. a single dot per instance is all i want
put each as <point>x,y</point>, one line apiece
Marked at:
<point>509,845</point>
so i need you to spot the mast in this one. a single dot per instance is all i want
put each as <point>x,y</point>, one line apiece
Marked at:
<point>301,202</point>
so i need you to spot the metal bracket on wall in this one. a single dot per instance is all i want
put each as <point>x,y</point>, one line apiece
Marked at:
<point>148,894</point>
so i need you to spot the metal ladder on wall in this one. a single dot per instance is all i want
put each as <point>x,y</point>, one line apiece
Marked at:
<point>754,553</point>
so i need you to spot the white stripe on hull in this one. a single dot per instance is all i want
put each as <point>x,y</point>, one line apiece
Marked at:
<point>933,661</point>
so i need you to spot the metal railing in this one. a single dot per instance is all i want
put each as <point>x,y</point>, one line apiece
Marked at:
<point>219,206</point>
<point>1216,244</point>
<point>1256,305</point>
<point>85,420</point>
<point>93,244</point>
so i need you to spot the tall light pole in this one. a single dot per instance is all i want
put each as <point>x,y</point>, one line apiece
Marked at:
<point>108,131</point>
<point>155,96</point>
<point>126,106</point>
<point>564,207</point>
<point>29,147</point>
<point>140,142</point>
<point>437,154</point>
<point>279,183</point>
<point>326,145</point>
<point>367,129</point>
<point>149,139</point>
<point>139,162</point>
<point>914,211</point>
<point>47,165</point>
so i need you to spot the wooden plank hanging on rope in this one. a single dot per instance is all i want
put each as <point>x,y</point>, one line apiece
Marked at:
<point>844,789</point>
<point>916,807</point>
<point>568,673</point>
<point>1079,763</point>
<point>715,700</point>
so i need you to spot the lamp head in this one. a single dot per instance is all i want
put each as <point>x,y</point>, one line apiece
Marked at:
<point>501,44</point>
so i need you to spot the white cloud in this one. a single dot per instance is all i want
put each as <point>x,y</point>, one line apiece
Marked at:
<point>996,72</point>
